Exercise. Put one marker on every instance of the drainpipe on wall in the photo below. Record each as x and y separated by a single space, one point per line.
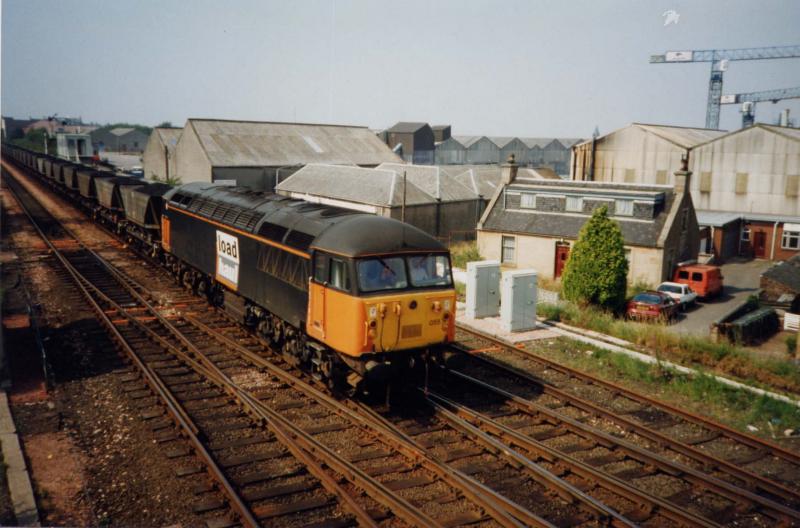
774 236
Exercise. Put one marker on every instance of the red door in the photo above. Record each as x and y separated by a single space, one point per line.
562 254
759 244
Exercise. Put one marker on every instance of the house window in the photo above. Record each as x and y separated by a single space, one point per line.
509 243
574 204
790 240
623 207
746 234
527 201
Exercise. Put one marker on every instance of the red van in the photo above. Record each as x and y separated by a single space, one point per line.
705 279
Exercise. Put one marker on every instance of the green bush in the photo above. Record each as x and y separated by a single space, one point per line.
597 271
464 252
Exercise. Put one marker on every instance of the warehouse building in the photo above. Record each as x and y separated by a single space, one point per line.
158 159
423 196
450 152
533 223
258 154
479 150
746 186
414 142
120 139
441 133
638 153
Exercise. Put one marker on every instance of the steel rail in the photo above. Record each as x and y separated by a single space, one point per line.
697 477
470 421
175 409
300 443
481 497
475 491
757 481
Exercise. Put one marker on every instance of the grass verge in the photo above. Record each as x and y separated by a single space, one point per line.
693 351
701 394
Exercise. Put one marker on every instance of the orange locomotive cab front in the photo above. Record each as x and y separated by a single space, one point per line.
382 308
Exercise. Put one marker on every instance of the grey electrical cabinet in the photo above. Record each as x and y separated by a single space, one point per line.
518 310
483 289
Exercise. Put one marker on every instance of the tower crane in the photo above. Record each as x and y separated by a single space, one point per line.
719 63
749 100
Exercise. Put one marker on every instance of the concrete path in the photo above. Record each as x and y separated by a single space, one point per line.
19 483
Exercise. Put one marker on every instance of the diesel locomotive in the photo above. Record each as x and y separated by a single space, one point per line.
350 296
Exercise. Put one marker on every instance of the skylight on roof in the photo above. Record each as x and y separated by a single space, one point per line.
313 145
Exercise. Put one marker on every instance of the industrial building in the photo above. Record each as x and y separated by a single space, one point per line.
533 223
158 159
258 154
746 187
412 141
120 139
423 196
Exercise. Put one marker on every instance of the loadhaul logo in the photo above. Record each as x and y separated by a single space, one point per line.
227 259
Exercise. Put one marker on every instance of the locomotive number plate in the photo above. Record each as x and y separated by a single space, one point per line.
227 259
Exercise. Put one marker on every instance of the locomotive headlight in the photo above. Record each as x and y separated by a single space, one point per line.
373 312
447 305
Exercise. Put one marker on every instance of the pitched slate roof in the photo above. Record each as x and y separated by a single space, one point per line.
635 231
378 187
786 273
433 181
266 144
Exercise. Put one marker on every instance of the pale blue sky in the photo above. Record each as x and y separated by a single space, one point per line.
528 68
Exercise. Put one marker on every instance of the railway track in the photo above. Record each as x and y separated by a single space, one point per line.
266 469
492 474
588 410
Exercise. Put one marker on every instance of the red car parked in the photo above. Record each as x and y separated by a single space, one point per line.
652 305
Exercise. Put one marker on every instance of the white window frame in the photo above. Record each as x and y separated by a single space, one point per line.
628 206
577 204
531 198
745 234
512 247
790 236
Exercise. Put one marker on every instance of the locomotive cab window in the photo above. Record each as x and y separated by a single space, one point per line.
429 270
321 268
378 274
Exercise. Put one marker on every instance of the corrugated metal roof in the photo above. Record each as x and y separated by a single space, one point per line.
169 136
501 141
433 181
468 141
404 127
265 144
682 136
716 218
791 133
383 188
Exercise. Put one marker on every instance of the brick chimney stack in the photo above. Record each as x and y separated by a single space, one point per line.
508 171
683 177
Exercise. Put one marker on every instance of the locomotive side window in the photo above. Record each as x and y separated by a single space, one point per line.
339 277
320 268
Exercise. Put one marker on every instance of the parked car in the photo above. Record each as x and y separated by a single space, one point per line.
706 280
652 305
682 294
